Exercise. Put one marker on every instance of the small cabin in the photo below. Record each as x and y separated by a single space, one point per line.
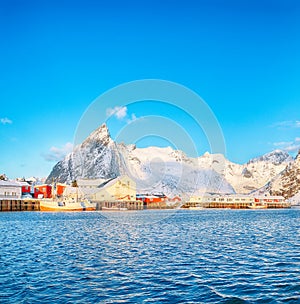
152 201
42 191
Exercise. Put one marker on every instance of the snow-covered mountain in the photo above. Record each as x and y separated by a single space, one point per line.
96 157
164 169
287 183
258 171
250 176
276 157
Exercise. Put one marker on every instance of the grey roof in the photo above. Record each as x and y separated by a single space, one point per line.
90 182
9 183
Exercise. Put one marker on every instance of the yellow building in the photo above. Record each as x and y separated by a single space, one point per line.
121 188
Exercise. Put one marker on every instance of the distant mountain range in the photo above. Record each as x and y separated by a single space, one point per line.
157 170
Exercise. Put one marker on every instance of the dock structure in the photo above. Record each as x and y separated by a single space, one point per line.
237 202
129 205
210 202
19 205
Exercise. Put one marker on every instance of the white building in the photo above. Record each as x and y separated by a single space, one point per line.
10 190
230 198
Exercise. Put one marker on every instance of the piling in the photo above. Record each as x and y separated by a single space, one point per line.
19 205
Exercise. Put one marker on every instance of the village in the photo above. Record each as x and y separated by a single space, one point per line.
117 194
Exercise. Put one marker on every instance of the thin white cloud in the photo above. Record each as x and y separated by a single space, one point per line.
287 124
119 112
56 154
292 148
289 146
5 121
282 143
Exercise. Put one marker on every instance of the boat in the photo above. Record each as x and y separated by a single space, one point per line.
56 205
257 206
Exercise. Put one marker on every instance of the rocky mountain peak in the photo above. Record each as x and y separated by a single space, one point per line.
96 157
101 134
276 157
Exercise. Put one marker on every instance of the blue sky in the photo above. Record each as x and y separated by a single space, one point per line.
56 57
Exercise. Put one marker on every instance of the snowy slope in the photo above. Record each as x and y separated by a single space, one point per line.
171 172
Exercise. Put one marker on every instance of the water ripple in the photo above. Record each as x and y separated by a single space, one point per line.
212 256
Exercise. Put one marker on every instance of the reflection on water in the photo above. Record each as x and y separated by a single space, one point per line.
205 256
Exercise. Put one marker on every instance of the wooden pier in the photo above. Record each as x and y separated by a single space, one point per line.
121 205
19 205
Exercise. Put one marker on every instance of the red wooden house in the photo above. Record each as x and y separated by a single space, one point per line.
152 201
43 190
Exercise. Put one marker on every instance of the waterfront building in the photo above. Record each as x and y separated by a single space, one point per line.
272 201
42 191
235 201
10 190
153 201
122 188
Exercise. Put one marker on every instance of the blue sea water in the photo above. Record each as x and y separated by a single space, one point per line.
201 256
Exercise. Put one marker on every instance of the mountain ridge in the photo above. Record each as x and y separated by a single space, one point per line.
166 170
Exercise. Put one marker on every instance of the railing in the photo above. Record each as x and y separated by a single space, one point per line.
9 196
